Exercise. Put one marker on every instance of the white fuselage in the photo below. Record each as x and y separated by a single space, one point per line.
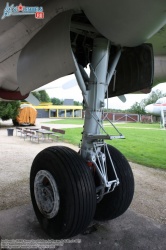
156 108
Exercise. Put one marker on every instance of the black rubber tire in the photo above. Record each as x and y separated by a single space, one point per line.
116 203
76 190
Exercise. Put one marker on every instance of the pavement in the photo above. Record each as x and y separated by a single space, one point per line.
130 231
42 121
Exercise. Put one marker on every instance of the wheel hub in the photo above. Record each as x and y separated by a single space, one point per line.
46 194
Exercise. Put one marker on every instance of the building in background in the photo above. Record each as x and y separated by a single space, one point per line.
47 110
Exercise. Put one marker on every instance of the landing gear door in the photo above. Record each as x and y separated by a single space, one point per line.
47 56
134 71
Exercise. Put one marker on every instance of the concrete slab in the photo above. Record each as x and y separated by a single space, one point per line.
128 232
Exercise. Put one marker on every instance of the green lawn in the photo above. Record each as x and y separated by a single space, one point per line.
146 147
79 121
138 125
144 144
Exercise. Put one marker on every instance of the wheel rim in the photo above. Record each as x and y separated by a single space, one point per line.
46 194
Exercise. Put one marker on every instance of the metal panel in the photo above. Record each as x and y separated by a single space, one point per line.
47 56
159 69
134 71
128 23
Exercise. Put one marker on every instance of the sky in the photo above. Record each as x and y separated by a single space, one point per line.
67 88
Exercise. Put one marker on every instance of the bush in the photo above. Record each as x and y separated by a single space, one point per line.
9 110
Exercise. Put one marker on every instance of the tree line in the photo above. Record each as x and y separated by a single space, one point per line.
42 96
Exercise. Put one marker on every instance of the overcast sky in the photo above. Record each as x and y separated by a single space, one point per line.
67 88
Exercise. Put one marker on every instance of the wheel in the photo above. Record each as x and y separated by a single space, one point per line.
116 203
62 191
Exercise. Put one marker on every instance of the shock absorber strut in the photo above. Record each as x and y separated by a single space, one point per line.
94 95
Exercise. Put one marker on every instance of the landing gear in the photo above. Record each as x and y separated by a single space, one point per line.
62 192
112 174
116 202
65 186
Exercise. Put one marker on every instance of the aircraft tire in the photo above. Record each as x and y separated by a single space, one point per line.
63 192
116 203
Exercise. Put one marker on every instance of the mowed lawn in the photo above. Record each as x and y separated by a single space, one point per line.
144 144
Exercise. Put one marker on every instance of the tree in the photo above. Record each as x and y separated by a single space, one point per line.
36 94
42 96
139 108
76 103
56 101
9 110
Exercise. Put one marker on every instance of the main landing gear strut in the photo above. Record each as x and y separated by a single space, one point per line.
69 189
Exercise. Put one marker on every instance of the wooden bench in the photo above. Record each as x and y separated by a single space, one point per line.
18 130
24 133
58 133
46 128
31 134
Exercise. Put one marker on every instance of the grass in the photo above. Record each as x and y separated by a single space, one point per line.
79 121
138 125
144 144
73 135
146 147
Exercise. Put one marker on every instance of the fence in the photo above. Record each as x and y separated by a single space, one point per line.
121 117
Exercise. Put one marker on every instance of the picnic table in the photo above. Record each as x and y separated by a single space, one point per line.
45 133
